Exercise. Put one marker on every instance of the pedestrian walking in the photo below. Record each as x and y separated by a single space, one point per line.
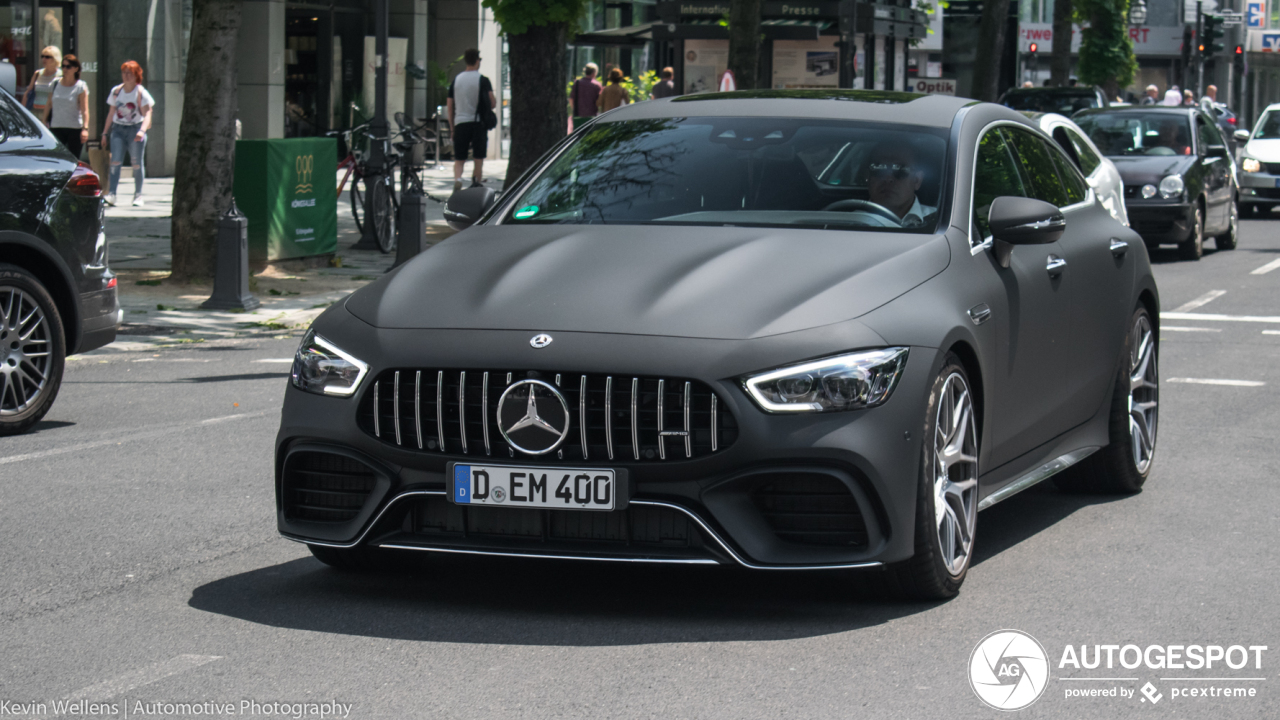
127 126
466 92
614 95
67 113
585 94
666 87
42 82
1210 98
1188 98
1152 96
1172 97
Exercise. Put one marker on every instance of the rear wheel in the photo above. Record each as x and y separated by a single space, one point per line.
1123 465
1229 239
1193 247
947 502
32 350
383 210
358 190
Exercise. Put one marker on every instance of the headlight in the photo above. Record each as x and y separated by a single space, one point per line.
322 368
1148 191
1171 187
1250 165
845 382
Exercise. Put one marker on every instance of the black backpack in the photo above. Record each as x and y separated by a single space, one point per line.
486 113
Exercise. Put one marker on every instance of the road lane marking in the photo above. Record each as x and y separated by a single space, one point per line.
1176 328
1271 332
1204 299
142 676
274 360
126 438
1214 381
1274 264
1222 318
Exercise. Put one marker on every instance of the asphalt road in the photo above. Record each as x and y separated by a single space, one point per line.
141 564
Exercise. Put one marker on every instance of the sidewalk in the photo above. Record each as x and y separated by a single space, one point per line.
158 312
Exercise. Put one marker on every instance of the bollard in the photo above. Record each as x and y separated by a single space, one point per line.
231 279
411 225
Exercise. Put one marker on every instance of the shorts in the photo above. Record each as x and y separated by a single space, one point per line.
470 136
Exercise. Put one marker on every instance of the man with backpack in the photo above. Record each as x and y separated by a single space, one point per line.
470 98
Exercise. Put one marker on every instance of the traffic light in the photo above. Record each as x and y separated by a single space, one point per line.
1211 32
1238 60
1034 47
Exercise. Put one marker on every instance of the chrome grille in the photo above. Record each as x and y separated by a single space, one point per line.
613 418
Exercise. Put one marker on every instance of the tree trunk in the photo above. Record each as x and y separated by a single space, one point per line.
1060 62
206 138
539 112
744 43
986 66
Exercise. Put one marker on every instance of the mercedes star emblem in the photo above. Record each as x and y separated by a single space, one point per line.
540 341
533 416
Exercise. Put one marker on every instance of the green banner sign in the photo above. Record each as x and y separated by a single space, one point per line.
287 190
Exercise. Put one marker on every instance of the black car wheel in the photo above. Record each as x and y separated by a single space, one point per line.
947 506
1123 465
32 350
1229 239
1193 247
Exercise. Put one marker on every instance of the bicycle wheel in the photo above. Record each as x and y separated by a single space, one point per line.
383 211
358 190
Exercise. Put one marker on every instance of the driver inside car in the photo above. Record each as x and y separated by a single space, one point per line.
893 178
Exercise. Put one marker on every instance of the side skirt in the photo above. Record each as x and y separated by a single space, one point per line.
1038 475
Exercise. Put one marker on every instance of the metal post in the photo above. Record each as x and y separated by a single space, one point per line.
411 225
379 127
1200 55
231 279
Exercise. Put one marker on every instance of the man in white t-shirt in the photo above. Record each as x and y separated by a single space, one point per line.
464 118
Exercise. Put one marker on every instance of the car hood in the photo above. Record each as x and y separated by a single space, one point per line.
701 282
1148 169
1265 150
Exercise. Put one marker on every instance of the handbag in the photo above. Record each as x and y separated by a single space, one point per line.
486 113
29 100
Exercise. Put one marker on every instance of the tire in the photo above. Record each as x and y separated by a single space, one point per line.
358 190
1193 247
350 560
938 568
1124 464
32 350
383 208
1229 239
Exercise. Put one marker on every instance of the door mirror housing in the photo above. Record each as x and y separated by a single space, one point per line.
1217 151
1241 135
1023 221
465 207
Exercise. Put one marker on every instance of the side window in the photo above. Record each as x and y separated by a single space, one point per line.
1089 161
1038 166
1204 136
1075 185
15 122
1215 134
995 174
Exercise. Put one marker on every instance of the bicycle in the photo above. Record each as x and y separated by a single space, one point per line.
382 198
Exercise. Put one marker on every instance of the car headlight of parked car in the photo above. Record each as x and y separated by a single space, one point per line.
844 382
1249 164
1171 187
323 368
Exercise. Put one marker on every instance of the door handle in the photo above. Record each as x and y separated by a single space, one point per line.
1055 266
1119 247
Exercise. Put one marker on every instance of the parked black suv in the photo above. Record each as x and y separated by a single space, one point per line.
57 295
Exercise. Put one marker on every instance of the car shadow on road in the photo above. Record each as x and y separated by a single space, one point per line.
1027 514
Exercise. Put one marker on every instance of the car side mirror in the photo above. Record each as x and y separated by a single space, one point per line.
1218 151
465 207
1242 135
1023 221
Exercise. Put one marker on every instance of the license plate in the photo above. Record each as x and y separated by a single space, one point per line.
533 487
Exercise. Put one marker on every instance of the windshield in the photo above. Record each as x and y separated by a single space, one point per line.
1051 102
743 171
1132 133
1268 127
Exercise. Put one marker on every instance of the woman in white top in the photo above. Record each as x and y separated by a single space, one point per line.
127 126
67 113
43 81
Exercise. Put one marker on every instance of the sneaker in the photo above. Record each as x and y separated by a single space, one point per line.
137 201
110 199
475 183
457 184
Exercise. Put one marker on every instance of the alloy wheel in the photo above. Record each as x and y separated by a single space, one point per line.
25 351
1144 393
955 477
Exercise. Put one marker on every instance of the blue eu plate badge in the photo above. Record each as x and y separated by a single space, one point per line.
462 483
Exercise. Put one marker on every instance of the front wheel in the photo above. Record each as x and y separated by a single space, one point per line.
382 208
358 189
947 502
32 350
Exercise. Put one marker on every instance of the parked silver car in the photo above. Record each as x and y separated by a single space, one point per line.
1100 172
1259 161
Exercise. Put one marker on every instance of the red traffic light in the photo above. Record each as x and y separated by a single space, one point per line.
1239 49
1034 47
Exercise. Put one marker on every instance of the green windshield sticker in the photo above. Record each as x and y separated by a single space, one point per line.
526 212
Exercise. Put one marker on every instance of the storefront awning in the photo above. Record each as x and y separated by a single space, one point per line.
630 36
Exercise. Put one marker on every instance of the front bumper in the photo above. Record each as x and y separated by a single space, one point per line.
692 511
1161 222
1259 189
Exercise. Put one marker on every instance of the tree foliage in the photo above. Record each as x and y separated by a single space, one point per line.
1106 50
517 16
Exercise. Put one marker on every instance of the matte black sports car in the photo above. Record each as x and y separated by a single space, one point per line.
1180 183
781 330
